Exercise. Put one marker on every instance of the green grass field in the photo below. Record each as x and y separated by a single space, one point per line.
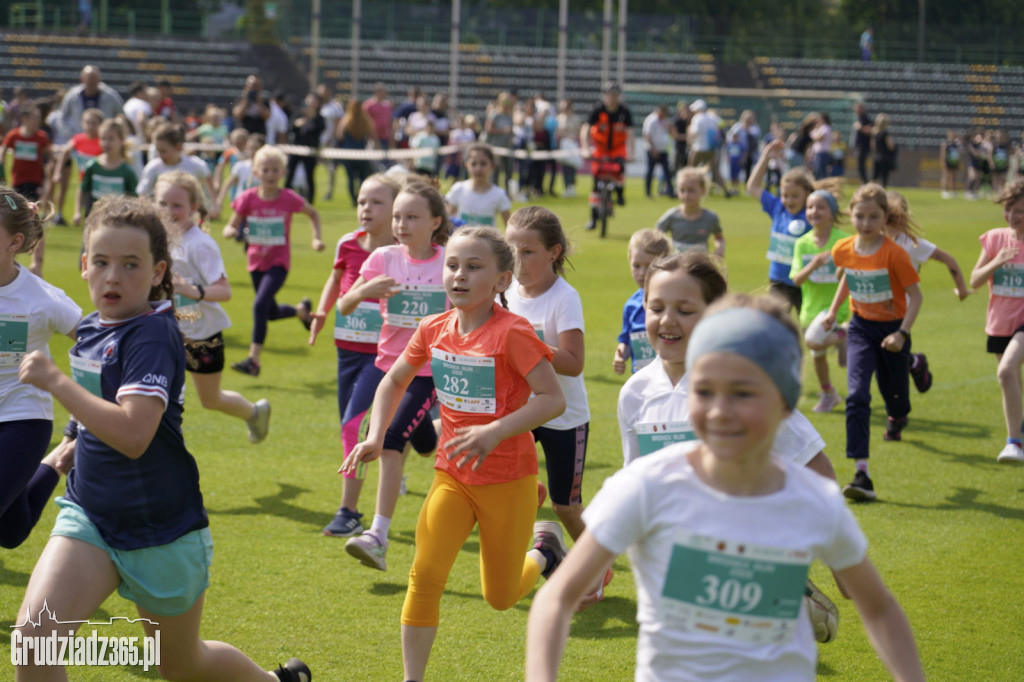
946 533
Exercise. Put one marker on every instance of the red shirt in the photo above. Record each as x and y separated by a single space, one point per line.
491 361
84 149
29 152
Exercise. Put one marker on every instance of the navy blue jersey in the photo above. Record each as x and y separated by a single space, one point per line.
155 499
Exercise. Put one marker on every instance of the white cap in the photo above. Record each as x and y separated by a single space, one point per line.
699 105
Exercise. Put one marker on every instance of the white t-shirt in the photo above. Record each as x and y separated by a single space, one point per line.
31 311
332 112
657 130
478 208
197 260
192 165
277 123
243 171
690 541
920 252
653 413
557 310
701 126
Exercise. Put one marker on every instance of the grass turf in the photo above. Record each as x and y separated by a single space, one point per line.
945 533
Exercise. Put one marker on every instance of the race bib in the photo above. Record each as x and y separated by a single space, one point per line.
539 328
732 590
186 306
25 150
86 374
641 350
13 339
780 248
952 156
826 274
103 185
464 383
362 325
413 303
869 286
1008 280
653 436
477 219
266 231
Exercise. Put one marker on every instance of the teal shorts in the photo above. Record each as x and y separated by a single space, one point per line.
165 580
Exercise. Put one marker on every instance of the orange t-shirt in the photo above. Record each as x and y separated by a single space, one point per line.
479 378
878 283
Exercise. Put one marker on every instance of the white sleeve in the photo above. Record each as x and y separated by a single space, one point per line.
503 202
208 262
797 440
200 167
922 252
849 546
626 413
615 517
145 185
569 311
454 194
66 313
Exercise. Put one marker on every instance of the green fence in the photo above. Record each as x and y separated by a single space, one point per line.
160 17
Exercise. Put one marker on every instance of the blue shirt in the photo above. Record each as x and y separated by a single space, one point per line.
787 225
155 499
632 316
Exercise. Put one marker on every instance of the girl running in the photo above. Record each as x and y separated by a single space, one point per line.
907 233
110 173
407 278
356 335
1001 264
268 211
132 518
885 296
486 362
83 148
200 283
644 247
541 295
789 220
690 224
815 273
31 311
478 201
694 518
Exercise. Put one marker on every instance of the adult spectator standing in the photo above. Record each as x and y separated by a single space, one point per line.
91 93
608 136
355 131
277 123
498 133
680 126
867 45
380 111
402 113
331 110
656 142
704 139
251 111
821 146
137 111
568 135
863 129
750 136
306 130
885 151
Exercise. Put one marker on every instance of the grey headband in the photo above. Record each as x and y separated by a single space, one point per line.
829 199
757 336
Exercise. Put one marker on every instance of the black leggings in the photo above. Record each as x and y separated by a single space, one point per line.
25 484
309 163
265 308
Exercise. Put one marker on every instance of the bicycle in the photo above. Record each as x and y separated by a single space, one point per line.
608 178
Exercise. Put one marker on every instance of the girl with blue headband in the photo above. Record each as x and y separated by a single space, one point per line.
719 534
815 273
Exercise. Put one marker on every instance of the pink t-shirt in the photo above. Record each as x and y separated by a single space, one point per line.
1006 286
349 258
380 112
270 225
422 294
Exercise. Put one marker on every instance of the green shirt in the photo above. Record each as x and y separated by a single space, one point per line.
820 288
98 181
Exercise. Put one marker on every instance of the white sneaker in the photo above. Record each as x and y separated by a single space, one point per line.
1011 454
259 423
823 614
369 549
570 192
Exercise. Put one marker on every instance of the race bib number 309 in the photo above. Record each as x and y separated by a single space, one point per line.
734 590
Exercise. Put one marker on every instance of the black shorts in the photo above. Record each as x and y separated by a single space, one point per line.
205 356
565 453
998 344
789 292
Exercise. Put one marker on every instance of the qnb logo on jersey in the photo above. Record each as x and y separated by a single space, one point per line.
797 227
158 379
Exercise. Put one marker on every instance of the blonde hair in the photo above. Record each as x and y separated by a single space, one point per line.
651 242
698 173
1012 192
188 183
269 152
896 219
238 137
504 257
389 181
803 179
904 222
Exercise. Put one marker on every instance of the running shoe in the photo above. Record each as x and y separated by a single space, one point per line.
1011 454
247 366
345 524
294 671
861 488
828 402
920 374
822 612
305 317
369 549
259 422
547 537
894 428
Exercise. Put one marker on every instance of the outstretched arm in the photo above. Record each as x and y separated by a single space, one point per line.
949 261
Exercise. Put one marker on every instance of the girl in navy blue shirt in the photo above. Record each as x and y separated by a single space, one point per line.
133 516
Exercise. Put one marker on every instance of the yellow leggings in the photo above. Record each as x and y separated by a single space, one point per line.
505 512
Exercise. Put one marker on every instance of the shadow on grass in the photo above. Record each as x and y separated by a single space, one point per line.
317 389
824 669
966 499
10 577
278 505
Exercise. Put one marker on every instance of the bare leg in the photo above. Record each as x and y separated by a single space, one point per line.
213 397
350 490
390 482
821 369
571 517
1010 383
416 645
255 349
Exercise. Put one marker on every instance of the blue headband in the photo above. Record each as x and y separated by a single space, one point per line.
829 199
757 336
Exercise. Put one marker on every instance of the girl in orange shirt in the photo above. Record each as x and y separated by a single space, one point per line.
486 361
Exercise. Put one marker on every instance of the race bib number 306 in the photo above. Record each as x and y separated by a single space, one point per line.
734 590
464 383
361 326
